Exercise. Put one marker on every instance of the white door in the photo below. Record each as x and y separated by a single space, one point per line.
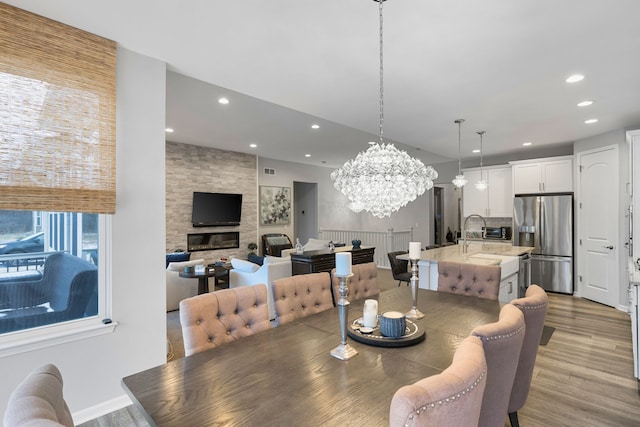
598 225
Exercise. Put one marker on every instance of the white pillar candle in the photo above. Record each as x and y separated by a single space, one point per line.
343 263
414 250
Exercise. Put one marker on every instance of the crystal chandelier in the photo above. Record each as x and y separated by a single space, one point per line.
459 180
382 179
482 184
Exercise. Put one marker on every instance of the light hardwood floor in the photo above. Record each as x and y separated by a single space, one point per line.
583 376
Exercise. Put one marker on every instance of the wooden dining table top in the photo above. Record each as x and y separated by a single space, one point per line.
286 376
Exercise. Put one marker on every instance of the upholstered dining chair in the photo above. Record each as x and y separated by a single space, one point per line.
399 267
223 316
38 400
451 398
502 342
301 295
534 308
363 283
482 281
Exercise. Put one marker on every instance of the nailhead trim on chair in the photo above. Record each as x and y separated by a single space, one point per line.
502 336
446 400
531 307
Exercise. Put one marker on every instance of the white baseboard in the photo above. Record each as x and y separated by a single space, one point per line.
101 409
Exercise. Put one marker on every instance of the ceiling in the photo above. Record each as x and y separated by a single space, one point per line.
284 65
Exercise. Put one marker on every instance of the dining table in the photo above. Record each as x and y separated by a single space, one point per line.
287 376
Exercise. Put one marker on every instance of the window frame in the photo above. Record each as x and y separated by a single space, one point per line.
45 336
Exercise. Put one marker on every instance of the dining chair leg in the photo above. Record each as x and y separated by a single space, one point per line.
513 419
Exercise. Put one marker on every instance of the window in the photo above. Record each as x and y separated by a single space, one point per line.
57 178
48 268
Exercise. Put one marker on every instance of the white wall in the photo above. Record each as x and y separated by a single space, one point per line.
333 212
93 367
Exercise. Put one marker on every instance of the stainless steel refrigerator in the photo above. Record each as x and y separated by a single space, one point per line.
545 222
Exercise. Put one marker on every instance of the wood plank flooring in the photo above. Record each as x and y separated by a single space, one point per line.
583 376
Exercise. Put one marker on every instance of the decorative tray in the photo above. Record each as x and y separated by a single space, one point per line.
413 335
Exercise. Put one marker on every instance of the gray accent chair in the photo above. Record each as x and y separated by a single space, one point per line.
534 308
399 267
451 398
69 285
38 400
223 316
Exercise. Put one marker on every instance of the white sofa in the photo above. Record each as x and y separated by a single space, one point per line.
179 288
245 273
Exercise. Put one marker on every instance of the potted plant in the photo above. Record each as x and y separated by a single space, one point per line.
252 247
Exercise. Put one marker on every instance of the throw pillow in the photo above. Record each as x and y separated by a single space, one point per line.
316 244
179 266
244 265
256 259
178 257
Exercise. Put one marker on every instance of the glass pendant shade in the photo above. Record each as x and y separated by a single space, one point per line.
459 180
481 185
382 179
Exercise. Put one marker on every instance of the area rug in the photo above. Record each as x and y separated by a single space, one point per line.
547 331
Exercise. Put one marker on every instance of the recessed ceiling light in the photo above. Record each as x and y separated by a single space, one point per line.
476 151
315 126
307 155
253 145
526 144
371 143
169 130
584 103
591 121
574 78
224 101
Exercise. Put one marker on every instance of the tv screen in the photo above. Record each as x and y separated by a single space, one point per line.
216 209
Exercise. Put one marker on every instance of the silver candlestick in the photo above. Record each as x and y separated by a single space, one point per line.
344 351
414 313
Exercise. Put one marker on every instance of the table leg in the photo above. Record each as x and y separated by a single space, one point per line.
203 285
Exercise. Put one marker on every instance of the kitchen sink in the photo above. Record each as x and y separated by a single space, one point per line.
509 264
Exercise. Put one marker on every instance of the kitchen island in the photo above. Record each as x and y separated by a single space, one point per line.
479 253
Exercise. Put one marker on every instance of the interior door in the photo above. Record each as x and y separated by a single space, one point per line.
598 221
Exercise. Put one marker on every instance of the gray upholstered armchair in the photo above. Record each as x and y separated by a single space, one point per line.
67 291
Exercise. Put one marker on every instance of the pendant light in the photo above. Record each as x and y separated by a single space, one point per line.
459 180
482 184
382 179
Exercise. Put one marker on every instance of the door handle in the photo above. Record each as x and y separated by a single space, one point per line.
610 247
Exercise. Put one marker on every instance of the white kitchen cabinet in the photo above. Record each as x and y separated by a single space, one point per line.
549 175
508 289
496 200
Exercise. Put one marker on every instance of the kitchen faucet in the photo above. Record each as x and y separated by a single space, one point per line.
465 245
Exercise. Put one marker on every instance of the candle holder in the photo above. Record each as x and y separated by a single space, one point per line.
344 351
414 313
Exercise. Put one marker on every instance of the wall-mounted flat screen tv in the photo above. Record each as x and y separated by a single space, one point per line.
216 209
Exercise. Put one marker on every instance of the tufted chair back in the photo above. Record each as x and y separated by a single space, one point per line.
219 317
534 308
451 398
301 295
363 283
502 342
482 281
38 400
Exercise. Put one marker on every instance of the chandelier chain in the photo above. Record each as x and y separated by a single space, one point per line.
481 133
381 75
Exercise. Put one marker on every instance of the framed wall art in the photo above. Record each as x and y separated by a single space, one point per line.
275 205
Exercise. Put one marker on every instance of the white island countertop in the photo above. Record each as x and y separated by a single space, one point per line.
455 253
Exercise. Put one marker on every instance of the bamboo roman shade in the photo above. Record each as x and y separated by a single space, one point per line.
57 116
